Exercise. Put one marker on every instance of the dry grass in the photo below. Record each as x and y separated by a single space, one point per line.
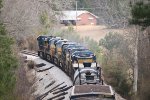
94 32
32 42
27 42
23 88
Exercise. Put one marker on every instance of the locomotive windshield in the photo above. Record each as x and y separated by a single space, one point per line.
77 49
86 53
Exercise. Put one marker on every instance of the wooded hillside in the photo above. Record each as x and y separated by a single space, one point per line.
113 13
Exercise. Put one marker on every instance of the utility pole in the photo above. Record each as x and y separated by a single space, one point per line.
76 13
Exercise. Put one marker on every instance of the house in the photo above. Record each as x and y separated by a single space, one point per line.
80 17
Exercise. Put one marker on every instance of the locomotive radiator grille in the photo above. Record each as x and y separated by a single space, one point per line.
98 89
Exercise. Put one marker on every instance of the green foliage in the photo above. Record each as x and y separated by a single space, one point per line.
94 47
1 4
111 41
44 18
46 22
141 14
2 29
83 5
8 63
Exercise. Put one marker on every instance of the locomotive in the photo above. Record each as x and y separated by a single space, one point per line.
67 55
77 61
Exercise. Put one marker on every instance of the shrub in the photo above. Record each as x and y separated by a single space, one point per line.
31 64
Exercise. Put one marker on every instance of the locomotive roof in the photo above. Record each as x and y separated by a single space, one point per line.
55 38
62 40
91 89
69 42
83 51
74 46
44 37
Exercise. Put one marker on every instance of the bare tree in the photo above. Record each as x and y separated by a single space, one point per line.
21 17
114 13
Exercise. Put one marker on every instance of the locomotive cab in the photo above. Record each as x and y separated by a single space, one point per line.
83 59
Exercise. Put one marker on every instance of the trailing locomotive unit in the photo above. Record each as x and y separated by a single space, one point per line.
63 54
58 52
43 45
70 60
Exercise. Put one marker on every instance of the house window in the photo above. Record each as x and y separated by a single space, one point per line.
92 23
90 18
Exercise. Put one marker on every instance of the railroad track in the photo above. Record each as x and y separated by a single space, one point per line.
58 90
29 53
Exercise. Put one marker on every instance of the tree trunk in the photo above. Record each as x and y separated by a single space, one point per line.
136 63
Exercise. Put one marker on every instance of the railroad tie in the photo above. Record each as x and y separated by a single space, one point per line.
45 69
46 93
40 65
60 94
50 84
60 98
56 87
62 90
41 79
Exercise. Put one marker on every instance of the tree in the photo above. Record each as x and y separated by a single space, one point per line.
140 14
8 63
116 63
141 17
112 13
22 17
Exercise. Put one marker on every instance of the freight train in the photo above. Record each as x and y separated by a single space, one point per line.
79 63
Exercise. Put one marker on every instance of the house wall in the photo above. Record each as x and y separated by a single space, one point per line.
86 19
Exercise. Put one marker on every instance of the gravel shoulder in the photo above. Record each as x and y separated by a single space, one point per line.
47 77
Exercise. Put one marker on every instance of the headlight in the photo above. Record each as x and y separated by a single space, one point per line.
75 61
